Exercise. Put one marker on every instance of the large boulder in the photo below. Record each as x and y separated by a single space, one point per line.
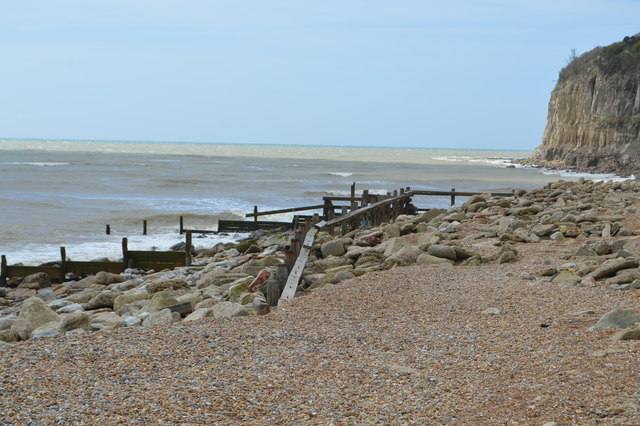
162 317
75 320
332 248
443 251
610 267
618 318
427 259
403 257
369 258
217 278
83 296
229 310
254 266
199 314
33 314
106 321
101 300
129 297
159 302
99 279
239 287
171 284
36 281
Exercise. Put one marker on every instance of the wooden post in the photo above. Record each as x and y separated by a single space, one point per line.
330 216
395 192
295 246
401 191
108 230
255 213
125 254
144 227
290 257
453 196
343 224
181 225
365 198
63 263
353 196
187 250
316 218
307 223
3 271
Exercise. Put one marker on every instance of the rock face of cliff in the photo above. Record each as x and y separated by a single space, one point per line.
593 122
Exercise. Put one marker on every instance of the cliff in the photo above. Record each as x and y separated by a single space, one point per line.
593 122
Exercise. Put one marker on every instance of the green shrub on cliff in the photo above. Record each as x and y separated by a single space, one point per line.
618 58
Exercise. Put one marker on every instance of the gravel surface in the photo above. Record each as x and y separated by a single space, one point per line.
406 346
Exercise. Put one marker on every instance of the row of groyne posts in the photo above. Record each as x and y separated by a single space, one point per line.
367 210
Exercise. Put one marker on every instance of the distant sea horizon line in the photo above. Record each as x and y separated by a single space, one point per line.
261 144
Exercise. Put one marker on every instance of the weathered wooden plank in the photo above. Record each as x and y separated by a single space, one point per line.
159 256
241 225
290 210
362 210
291 286
93 267
24 271
182 308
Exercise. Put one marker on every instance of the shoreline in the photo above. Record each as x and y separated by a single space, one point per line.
489 338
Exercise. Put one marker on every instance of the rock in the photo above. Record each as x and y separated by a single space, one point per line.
70 308
199 314
462 253
171 284
342 276
450 228
566 279
390 231
330 263
3 291
159 302
403 257
218 278
131 321
543 230
7 322
162 317
101 300
618 318
129 297
557 236
101 278
83 296
106 321
623 287
21 293
46 294
507 256
585 250
36 281
601 247
229 310
547 272
427 259
628 334
612 266
239 287
75 320
491 311
443 251
393 245
33 314
207 303
368 259
49 329
334 248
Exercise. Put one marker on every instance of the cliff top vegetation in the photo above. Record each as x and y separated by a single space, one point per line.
622 57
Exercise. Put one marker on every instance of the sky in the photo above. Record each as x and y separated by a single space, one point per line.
457 74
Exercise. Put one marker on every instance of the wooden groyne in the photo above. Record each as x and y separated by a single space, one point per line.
339 214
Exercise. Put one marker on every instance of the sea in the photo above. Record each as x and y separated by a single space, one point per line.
56 193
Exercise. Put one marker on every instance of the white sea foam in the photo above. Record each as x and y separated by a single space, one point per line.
36 163
110 246
341 174
596 177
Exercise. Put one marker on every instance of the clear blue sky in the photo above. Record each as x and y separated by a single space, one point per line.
458 73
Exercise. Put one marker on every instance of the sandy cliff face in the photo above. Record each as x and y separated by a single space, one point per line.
593 122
